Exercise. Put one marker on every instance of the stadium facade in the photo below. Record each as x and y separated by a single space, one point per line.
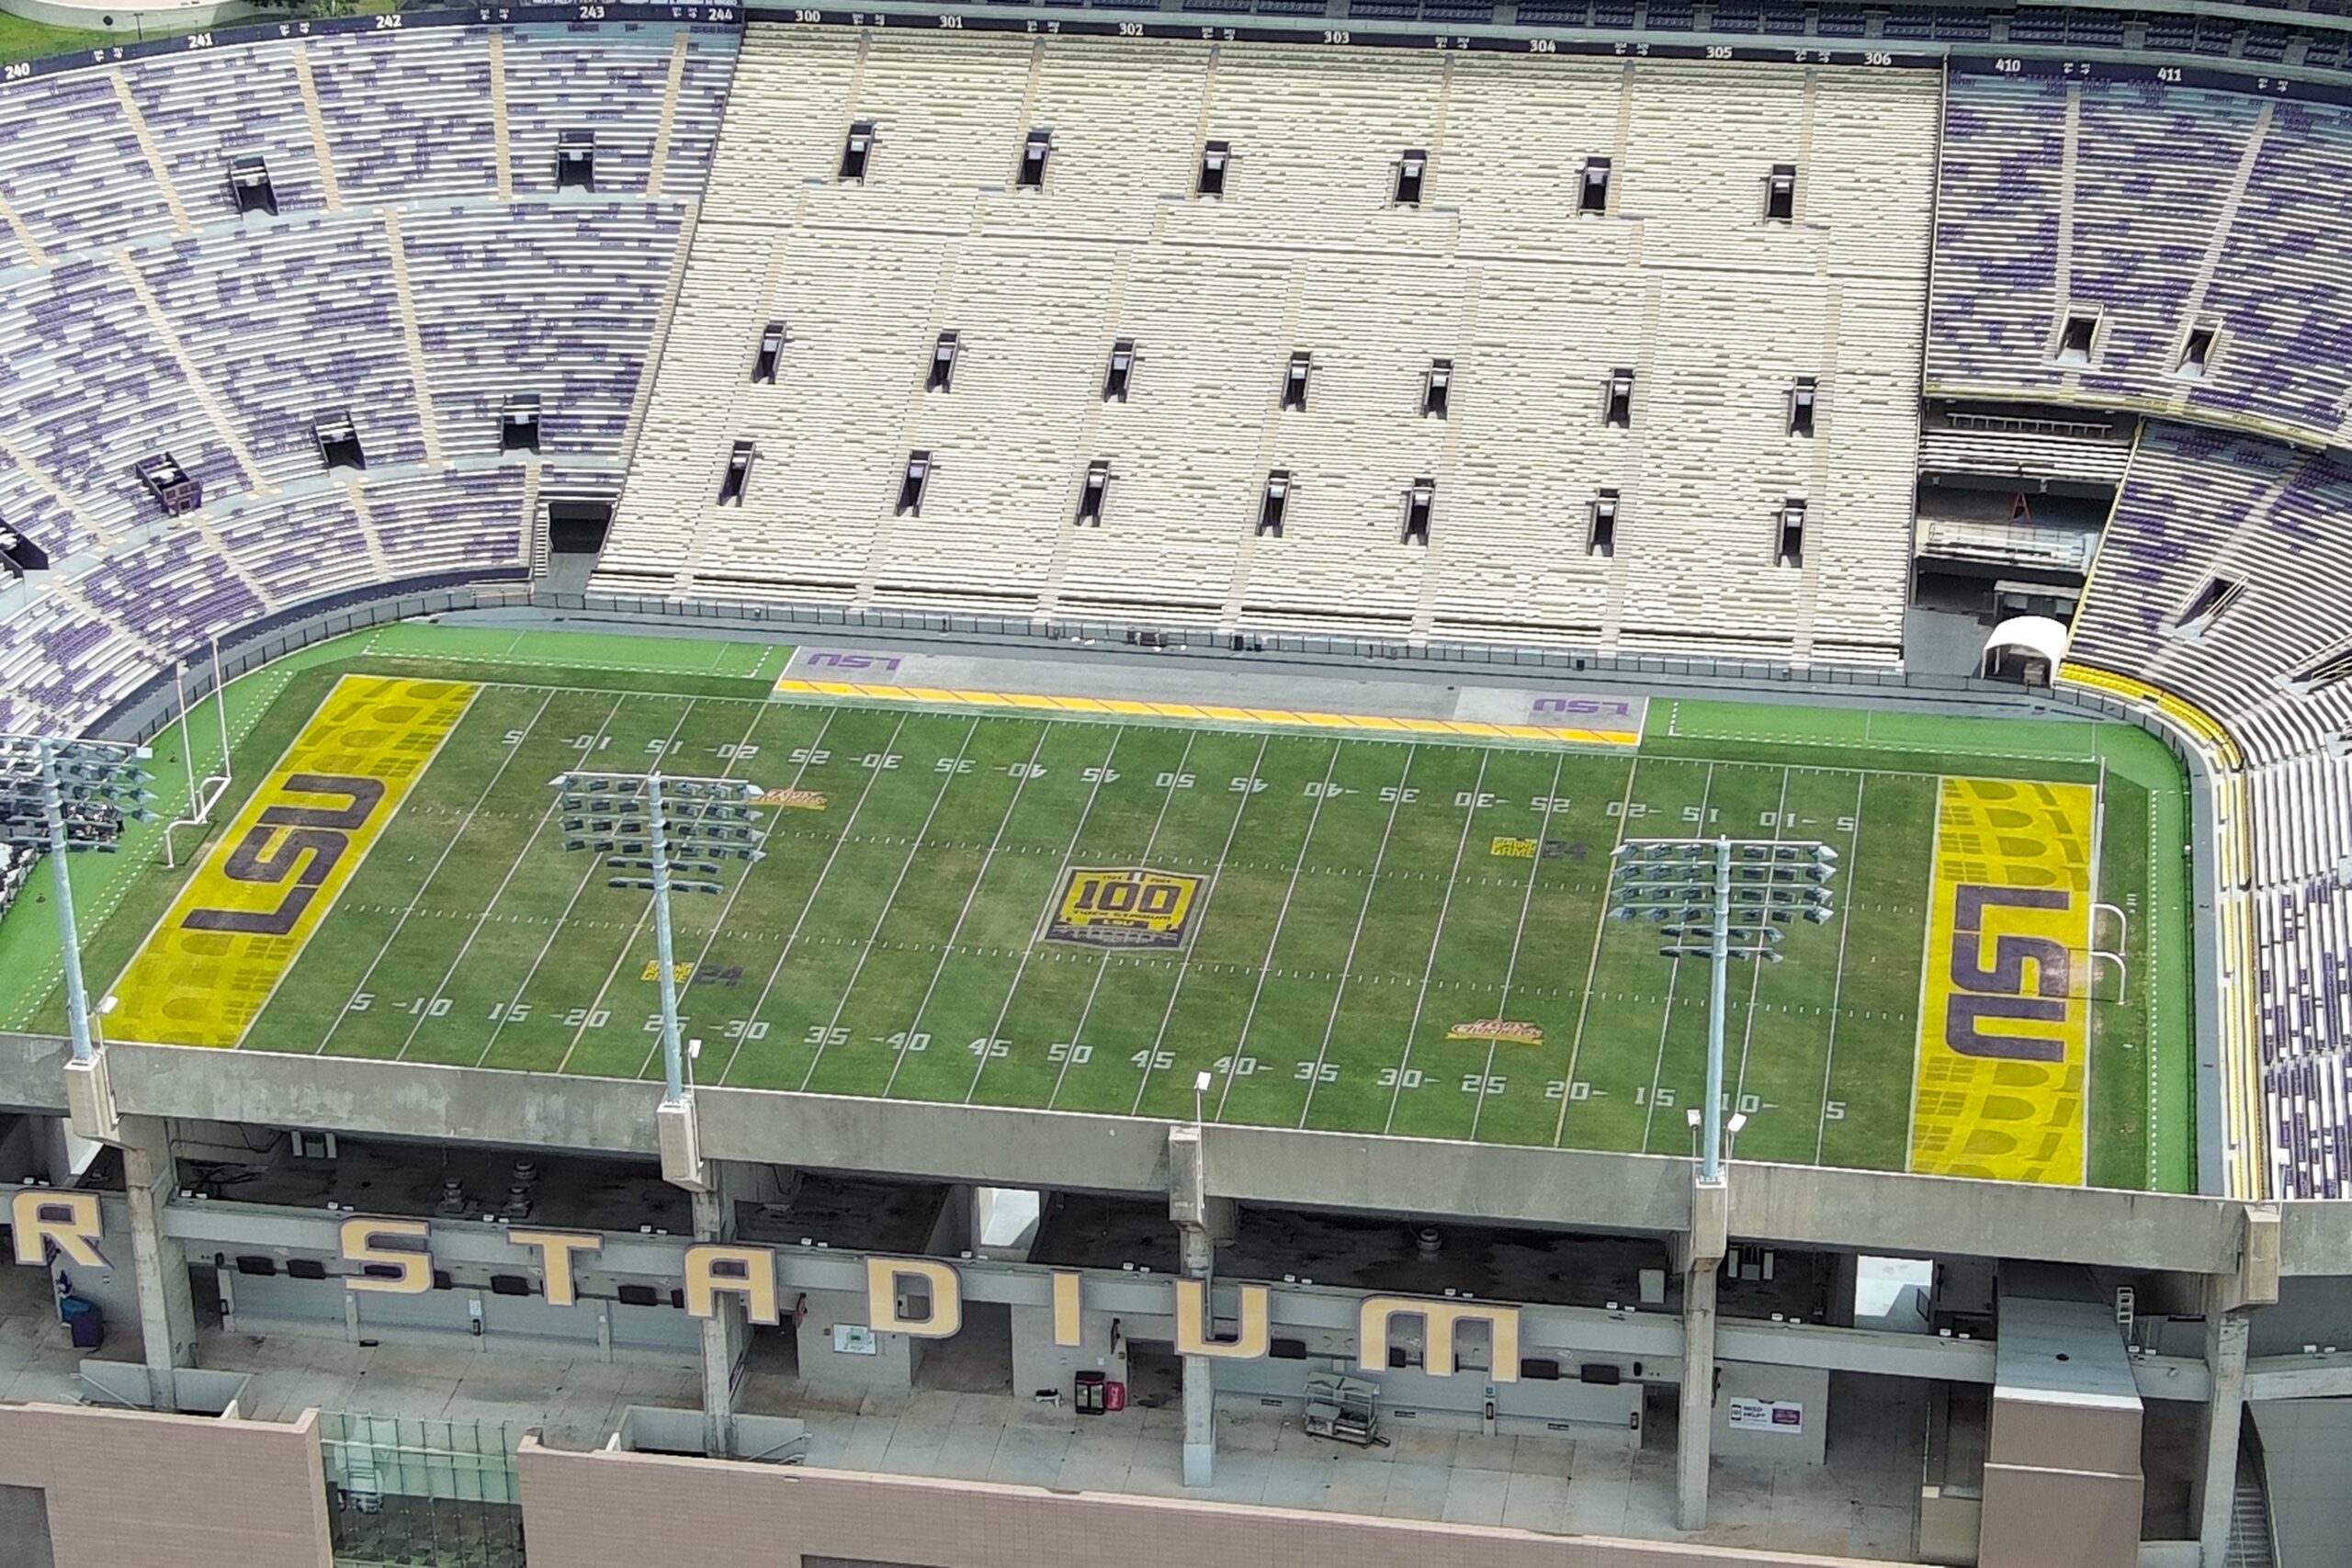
1196 535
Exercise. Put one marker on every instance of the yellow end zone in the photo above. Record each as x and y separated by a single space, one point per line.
211 965
2005 1019
1104 707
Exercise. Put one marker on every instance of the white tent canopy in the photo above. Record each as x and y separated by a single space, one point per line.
2037 636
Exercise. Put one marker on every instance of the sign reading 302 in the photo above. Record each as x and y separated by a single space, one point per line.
1122 907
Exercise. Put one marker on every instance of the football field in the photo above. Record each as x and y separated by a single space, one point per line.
1348 930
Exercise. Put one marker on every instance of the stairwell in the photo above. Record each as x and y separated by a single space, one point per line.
500 144
153 154
319 147
669 118
412 336
168 338
2249 1515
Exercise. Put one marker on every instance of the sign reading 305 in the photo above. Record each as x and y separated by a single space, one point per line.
1122 907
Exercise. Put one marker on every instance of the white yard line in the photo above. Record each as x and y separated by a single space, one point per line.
1838 984
971 895
849 829
1758 964
735 889
1208 898
555 932
1428 966
1348 964
987 1042
1265 964
1673 976
865 948
426 886
1592 964
1078 1031
1518 935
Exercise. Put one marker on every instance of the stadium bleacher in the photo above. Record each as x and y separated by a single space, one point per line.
421 265
1685 281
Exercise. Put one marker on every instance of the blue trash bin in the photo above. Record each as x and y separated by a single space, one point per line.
83 1321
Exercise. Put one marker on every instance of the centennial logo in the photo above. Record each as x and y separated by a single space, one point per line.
1503 1031
1122 906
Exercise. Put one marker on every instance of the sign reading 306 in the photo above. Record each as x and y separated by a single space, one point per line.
1122 907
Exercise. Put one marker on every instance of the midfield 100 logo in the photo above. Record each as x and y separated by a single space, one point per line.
1122 906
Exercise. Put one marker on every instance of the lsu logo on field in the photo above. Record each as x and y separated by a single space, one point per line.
2005 1033
1122 907
208 967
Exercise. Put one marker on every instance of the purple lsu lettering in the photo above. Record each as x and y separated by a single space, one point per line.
296 844
854 662
1998 991
1582 704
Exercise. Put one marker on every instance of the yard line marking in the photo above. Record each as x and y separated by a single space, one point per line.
1838 985
1519 934
1927 970
1429 969
817 887
1281 916
971 895
735 889
865 949
1208 897
987 1042
1348 964
1757 965
644 916
1077 1031
1673 975
1593 965
422 887
480 920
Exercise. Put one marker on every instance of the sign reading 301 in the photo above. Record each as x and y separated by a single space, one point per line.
1122 906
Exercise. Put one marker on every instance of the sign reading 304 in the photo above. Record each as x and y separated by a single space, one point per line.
1122 907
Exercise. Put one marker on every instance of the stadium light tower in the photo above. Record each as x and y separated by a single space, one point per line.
661 825
1720 900
60 796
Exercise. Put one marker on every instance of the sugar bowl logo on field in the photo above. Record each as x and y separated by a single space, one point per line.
1502 1030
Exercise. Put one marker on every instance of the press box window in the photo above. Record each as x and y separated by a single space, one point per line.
2077 336
1217 160
738 476
1802 398
1121 372
1274 503
912 484
2196 352
1790 551
1091 499
1411 169
1034 153
1617 409
1600 539
1781 194
771 354
942 376
856 149
1294 381
1592 192
1437 388
1419 501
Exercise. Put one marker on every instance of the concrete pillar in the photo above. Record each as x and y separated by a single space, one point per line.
725 1334
2214 1487
1200 1373
159 1263
1695 1433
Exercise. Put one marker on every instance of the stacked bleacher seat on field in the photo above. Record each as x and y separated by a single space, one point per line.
420 268
1685 281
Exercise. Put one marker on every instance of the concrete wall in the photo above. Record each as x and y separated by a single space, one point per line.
1807 1388
129 1489
623 1510
2307 1463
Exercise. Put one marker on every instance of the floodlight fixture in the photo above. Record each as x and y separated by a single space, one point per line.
661 825
59 796
1719 900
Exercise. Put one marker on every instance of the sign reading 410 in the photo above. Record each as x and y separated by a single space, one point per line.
1122 906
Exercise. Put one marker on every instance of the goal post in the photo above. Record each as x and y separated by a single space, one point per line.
204 793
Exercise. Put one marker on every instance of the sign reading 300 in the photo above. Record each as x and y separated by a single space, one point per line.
211 965
1122 907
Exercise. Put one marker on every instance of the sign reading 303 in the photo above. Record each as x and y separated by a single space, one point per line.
1122 907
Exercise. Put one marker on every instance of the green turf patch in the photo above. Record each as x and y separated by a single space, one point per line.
1379 934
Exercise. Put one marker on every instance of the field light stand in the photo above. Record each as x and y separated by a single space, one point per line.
658 824
61 796
1720 899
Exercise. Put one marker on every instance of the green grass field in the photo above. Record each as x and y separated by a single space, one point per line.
1350 911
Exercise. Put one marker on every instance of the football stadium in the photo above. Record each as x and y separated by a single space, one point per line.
1417 779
